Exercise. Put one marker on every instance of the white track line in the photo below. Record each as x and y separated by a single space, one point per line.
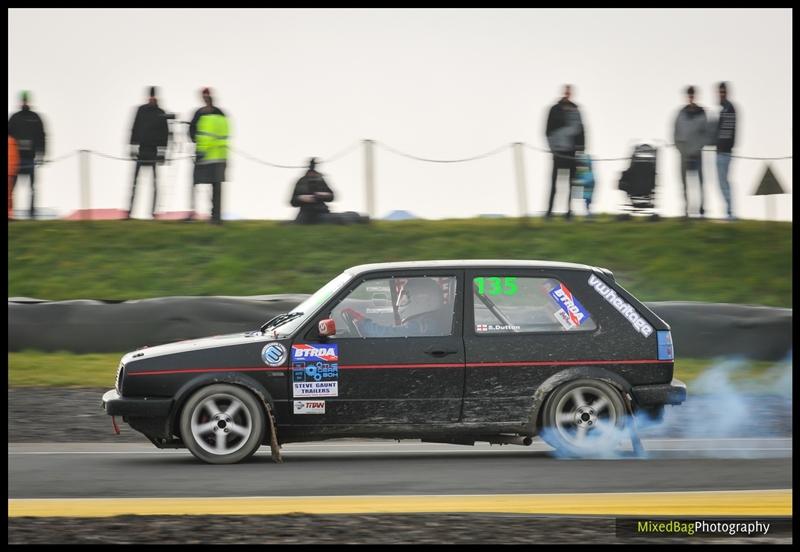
655 445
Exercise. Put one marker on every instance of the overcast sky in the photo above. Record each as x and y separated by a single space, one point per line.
434 83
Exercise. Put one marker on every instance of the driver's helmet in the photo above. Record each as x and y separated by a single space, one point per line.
422 295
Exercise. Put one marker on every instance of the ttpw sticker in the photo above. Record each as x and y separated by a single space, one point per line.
571 313
309 407
315 370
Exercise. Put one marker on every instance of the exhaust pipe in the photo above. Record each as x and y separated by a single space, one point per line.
523 440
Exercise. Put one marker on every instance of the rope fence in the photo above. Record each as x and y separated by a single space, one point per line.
368 147
352 147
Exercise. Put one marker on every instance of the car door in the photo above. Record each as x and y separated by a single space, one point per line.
398 371
520 327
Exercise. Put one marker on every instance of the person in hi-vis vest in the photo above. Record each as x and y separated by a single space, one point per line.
13 167
209 131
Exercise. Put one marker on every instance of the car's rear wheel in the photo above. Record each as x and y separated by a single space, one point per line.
584 418
222 424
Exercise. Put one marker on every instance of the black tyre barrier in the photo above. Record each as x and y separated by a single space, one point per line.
699 330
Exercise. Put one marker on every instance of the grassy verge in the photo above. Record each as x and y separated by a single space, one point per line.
36 369
740 262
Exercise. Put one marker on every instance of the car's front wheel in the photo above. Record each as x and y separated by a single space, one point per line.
584 418
222 424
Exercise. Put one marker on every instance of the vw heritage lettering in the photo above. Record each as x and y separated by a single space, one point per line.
626 310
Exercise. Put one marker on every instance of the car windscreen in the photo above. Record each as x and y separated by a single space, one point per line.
313 303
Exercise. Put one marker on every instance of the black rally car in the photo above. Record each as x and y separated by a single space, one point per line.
445 351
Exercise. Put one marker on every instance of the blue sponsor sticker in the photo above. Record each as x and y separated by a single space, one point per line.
576 314
315 362
273 354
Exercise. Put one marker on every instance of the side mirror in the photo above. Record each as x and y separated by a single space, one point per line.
326 327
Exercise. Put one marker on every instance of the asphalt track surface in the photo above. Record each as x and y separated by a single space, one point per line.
369 467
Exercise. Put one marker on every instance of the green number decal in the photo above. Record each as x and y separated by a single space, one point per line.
511 286
506 286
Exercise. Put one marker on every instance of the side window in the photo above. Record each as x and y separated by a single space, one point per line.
398 307
509 304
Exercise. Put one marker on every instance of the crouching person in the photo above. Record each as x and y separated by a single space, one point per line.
311 194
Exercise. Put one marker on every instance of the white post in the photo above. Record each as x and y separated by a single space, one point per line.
369 176
83 167
519 169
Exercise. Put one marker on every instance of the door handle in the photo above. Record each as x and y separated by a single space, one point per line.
440 352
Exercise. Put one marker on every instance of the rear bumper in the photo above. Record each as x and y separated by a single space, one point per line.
660 394
140 407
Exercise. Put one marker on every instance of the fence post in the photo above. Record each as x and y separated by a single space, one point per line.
519 169
83 168
369 176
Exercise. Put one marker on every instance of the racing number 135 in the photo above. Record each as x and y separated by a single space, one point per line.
494 285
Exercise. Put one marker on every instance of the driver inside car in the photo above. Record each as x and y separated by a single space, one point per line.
424 314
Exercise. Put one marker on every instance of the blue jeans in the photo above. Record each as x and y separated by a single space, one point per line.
723 164
692 163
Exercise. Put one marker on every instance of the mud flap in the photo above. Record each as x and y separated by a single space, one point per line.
636 442
114 425
273 431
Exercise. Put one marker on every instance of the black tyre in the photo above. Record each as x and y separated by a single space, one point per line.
584 418
222 424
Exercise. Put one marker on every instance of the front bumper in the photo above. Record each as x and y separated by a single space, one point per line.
140 407
660 394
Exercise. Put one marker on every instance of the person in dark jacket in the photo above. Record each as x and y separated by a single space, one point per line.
565 136
149 138
27 129
311 193
724 140
691 134
210 174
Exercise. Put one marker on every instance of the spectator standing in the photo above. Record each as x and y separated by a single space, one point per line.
209 131
724 140
149 138
565 136
13 166
27 129
691 129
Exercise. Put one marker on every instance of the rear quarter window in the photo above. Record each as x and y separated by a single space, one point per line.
511 304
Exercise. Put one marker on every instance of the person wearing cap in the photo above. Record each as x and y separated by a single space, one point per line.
209 131
149 138
691 134
27 129
311 193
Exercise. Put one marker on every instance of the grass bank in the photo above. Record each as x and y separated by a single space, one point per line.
739 262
